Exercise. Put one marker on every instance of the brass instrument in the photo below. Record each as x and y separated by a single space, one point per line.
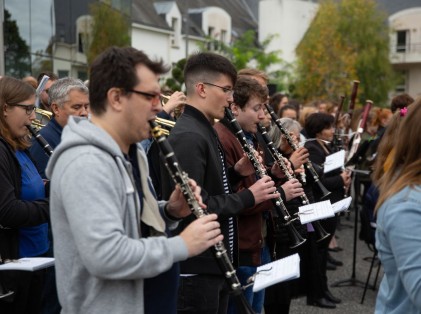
42 117
164 99
166 125
177 110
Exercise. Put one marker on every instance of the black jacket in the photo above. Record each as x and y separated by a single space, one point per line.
15 213
331 180
195 144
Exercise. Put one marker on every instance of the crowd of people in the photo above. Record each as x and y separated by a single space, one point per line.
121 230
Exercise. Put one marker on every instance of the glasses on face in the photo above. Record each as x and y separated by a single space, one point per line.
151 97
226 90
28 108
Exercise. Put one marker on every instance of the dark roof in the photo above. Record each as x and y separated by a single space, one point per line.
242 15
393 6
143 12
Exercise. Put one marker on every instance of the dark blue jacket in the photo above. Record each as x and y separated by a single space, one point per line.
52 134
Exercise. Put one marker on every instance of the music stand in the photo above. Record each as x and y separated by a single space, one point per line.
353 281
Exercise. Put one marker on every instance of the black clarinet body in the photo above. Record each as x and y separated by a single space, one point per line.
44 144
279 159
280 208
219 251
308 165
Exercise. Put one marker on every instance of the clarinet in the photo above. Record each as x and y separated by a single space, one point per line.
308 165
279 159
280 208
219 251
44 144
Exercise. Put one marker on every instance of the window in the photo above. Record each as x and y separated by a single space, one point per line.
175 25
82 75
401 41
223 35
63 73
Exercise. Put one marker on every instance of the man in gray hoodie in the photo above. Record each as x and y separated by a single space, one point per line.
109 230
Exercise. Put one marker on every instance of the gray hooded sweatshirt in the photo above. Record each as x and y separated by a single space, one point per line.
101 257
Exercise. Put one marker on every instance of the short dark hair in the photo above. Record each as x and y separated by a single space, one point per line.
317 122
247 87
51 75
400 101
207 66
116 67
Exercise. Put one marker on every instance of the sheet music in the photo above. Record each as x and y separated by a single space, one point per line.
28 264
334 161
284 269
315 211
342 205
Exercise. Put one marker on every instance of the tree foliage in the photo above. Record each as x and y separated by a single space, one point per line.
175 82
110 28
246 51
347 40
17 56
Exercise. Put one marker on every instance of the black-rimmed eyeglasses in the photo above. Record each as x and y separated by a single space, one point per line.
149 96
227 90
28 108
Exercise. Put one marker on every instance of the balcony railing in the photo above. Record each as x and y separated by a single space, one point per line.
409 53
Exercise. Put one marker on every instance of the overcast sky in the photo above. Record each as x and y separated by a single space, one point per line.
34 21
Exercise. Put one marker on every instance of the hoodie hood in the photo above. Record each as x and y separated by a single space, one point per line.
80 131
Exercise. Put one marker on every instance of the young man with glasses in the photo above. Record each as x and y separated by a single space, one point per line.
109 230
209 80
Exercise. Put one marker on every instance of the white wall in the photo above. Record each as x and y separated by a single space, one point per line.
410 60
289 20
155 43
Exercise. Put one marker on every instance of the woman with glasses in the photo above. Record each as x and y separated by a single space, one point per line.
23 207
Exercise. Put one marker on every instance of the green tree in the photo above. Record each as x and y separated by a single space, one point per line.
110 27
347 40
17 56
246 51
175 82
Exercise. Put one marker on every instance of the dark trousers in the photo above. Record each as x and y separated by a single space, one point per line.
205 294
28 290
329 225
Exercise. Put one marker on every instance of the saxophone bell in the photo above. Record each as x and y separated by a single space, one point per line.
42 117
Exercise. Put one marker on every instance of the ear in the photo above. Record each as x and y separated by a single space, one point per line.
200 89
115 97
55 109
235 109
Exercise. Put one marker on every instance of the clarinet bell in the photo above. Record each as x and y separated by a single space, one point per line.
295 238
320 231
322 189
